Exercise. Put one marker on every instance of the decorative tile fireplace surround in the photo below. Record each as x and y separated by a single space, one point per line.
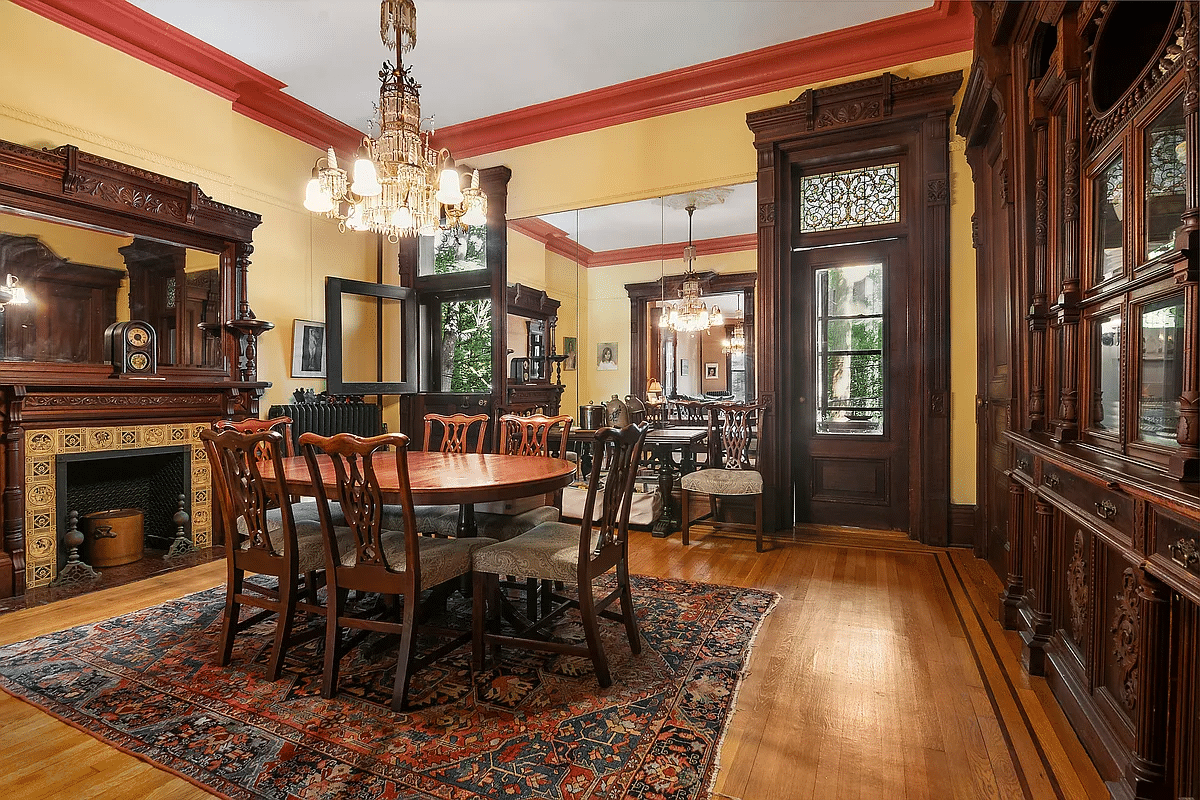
44 528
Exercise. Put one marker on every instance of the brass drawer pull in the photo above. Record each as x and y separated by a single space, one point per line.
1051 479
1106 509
1185 553
1023 464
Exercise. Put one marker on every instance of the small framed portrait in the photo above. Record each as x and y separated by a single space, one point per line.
308 349
710 372
571 351
683 367
606 355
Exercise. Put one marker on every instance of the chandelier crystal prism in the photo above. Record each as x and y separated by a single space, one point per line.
400 184
689 313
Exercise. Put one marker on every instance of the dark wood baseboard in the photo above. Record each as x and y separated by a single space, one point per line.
964 529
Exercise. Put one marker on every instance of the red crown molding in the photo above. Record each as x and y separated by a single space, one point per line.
947 27
255 94
944 28
559 242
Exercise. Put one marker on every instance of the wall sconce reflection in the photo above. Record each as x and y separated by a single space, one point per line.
12 292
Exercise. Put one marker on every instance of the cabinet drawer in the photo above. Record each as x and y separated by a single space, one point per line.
1096 501
1023 462
1178 541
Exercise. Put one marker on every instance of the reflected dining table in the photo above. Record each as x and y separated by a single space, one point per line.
445 479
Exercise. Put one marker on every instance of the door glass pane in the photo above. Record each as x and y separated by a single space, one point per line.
849 350
852 198
1110 210
453 250
466 356
1166 156
1162 370
1106 405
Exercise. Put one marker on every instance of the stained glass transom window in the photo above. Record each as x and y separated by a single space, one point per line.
851 198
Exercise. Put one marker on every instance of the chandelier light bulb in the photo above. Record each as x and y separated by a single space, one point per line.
474 216
355 221
366 181
316 199
716 318
449 190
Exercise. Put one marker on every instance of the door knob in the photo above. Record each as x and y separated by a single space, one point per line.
800 400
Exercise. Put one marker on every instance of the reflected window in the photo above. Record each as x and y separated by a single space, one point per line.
466 345
1106 402
849 347
1166 163
851 198
1110 211
1162 370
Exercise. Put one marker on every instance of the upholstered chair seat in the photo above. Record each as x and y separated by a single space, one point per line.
549 551
441 559
723 482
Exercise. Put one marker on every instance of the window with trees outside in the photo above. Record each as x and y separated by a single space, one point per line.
849 348
461 314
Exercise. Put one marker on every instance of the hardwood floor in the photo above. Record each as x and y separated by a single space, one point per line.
881 674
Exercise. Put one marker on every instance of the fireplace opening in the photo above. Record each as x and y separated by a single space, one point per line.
150 479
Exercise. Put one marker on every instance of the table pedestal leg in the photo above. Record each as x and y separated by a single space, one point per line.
466 521
669 520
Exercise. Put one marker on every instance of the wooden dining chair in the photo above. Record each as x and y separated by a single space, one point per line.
374 559
452 433
733 434
525 435
264 537
579 554
283 424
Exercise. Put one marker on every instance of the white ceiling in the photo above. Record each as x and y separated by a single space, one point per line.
475 58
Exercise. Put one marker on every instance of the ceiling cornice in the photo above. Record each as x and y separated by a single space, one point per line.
945 28
559 242
940 30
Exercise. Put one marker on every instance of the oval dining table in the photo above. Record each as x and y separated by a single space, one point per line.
445 479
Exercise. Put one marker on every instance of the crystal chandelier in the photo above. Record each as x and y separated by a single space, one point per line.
401 184
689 313
736 343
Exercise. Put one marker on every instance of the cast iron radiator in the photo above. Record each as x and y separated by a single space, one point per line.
326 419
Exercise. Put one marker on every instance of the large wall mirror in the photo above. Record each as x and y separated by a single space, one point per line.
617 268
77 281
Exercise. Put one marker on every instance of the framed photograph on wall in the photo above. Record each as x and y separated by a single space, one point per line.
606 355
683 367
710 371
308 349
571 351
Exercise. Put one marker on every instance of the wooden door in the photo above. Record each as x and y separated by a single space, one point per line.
993 401
852 387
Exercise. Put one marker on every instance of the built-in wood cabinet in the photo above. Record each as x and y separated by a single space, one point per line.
1081 121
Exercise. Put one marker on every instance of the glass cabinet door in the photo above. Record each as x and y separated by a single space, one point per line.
1166 164
1110 213
1161 370
1106 399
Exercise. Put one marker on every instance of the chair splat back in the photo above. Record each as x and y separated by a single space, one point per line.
530 435
254 425
243 492
458 431
358 491
733 431
619 451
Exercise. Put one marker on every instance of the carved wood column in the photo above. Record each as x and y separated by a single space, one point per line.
1036 609
776 474
1146 771
1066 309
13 438
1186 462
1014 588
1037 317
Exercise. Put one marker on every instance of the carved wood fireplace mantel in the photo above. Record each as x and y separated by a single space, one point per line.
180 259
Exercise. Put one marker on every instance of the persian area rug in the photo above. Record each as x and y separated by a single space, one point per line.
536 726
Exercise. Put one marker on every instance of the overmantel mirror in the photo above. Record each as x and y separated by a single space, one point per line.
92 242
627 263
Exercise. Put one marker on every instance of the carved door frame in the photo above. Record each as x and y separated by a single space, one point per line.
913 114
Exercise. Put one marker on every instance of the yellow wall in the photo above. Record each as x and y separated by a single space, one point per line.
712 146
60 87
57 87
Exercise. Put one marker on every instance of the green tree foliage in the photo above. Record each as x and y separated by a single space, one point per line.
467 324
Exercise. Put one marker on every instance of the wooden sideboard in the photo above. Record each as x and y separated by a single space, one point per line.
1082 123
